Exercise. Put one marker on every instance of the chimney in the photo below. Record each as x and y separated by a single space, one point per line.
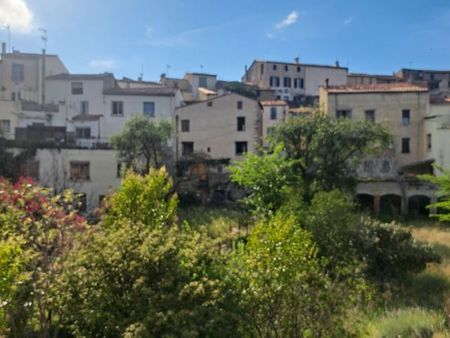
297 60
327 83
3 47
337 63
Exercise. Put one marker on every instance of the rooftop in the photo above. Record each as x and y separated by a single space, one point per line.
265 103
202 74
86 117
66 76
149 91
300 64
397 87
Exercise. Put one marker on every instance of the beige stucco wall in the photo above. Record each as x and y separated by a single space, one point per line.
31 87
438 125
388 109
313 76
54 170
9 111
216 127
268 123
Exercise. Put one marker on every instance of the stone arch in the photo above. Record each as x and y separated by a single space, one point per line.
390 205
417 205
365 201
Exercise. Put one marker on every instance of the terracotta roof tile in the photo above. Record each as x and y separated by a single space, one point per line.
398 87
273 103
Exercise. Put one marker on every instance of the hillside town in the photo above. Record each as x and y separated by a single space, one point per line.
71 118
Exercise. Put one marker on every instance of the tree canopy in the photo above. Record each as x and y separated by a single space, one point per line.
143 143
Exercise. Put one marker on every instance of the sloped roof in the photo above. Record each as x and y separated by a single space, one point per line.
149 91
397 87
66 76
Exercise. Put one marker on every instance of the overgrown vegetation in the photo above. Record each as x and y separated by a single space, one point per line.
297 260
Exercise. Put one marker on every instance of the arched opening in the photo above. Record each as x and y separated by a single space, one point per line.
417 205
365 202
390 205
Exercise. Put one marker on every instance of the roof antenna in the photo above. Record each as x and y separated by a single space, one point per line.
141 75
8 28
44 37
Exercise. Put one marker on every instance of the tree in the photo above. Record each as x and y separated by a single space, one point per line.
11 162
443 183
269 179
36 232
145 199
284 291
328 150
143 143
143 276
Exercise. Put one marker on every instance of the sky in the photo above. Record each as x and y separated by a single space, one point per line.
128 37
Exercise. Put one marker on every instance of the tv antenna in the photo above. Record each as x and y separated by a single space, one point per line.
8 28
44 37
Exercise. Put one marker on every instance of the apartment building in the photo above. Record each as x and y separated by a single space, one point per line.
291 81
275 113
354 79
22 75
388 180
223 127
438 81
437 132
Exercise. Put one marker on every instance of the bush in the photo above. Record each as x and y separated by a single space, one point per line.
411 323
283 289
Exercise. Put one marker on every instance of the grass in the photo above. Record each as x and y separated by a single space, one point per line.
217 222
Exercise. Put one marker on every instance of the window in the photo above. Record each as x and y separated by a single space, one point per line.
298 69
274 81
239 105
273 113
386 167
210 104
241 148
287 82
185 126
13 96
274 67
149 109
77 88
5 127
429 141
117 108
241 123
286 68
346 114
30 169
119 169
83 132
187 148
17 73
262 68
203 81
79 170
208 149
84 107
370 115
298 83
405 145
405 117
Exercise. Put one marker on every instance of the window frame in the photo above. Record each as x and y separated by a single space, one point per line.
406 120
406 145
240 123
114 107
185 126
148 104
243 145
184 144
77 175
76 88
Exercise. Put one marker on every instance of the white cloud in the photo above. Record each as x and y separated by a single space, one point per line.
103 64
287 21
348 20
183 39
16 15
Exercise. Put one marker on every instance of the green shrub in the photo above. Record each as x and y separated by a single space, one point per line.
408 323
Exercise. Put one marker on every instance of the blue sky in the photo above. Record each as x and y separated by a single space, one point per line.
121 36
